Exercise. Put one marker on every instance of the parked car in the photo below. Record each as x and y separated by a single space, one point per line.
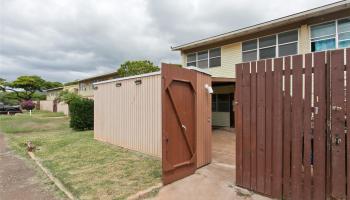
4 109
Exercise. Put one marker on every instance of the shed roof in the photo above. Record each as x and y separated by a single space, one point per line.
100 76
129 77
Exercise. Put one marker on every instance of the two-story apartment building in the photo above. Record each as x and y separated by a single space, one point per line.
86 88
323 28
53 93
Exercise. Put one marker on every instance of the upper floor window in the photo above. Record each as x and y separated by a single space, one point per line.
205 59
330 35
281 44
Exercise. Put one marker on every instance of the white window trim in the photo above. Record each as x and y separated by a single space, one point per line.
276 45
208 58
336 35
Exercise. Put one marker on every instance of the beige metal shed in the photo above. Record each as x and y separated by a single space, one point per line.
128 113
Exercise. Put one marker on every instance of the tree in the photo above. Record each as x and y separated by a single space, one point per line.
2 84
131 68
25 87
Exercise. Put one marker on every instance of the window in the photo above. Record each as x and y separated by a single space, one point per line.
202 59
215 57
205 59
282 44
249 50
344 33
323 37
267 47
221 102
330 35
288 43
191 60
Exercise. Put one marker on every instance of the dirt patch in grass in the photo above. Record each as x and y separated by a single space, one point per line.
88 168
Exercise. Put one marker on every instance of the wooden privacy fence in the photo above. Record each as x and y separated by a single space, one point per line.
291 126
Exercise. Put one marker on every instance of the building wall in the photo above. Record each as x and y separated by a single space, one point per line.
52 95
71 88
221 119
304 39
231 54
86 89
86 86
130 116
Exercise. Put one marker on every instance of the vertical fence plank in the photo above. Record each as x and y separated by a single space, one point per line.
338 180
297 128
277 137
286 129
348 120
238 124
253 125
320 121
246 125
307 128
269 125
261 126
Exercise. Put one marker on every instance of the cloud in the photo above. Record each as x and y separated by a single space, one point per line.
66 40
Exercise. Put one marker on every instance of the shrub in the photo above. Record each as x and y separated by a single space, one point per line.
27 104
82 114
66 96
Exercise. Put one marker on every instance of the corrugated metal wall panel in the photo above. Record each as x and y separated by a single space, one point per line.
204 132
46 105
130 115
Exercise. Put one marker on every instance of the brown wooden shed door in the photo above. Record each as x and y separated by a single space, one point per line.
178 122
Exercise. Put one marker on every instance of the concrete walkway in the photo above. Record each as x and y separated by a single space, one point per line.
17 180
214 181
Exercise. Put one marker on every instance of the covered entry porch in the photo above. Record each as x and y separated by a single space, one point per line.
223 102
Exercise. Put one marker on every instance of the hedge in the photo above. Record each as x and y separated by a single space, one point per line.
82 114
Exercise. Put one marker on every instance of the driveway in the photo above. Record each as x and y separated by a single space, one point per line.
214 181
17 180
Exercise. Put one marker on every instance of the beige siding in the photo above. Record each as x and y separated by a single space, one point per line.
52 95
304 40
71 88
46 105
183 59
204 132
88 93
221 119
63 107
130 115
230 56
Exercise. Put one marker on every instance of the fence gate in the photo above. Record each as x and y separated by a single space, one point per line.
178 122
291 126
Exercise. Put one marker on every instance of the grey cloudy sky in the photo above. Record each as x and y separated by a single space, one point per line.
64 40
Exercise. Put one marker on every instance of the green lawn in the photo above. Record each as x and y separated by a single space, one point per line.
88 168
